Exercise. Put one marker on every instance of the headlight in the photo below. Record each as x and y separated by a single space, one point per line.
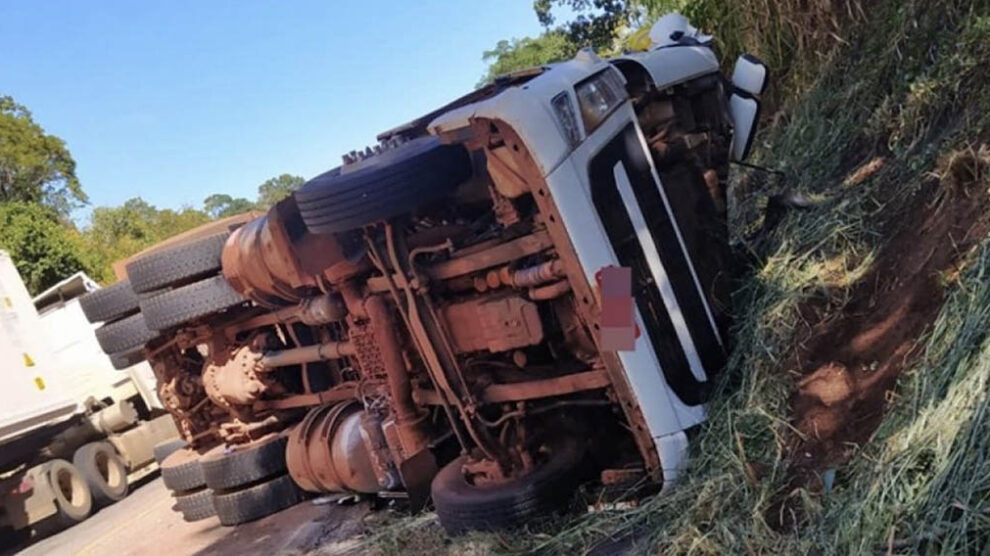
598 96
564 108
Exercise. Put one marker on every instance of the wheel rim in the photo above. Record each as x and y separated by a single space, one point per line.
70 487
109 469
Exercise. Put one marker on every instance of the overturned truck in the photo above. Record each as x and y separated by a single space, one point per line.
520 292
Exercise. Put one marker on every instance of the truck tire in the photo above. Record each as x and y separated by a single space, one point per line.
189 302
72 495
182 472
195 506
228 468
125 334
254 502
125 359
104 472
388 184
177 264
109 303
462 506
163 450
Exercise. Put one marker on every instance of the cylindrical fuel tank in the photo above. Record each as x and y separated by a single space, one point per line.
326 452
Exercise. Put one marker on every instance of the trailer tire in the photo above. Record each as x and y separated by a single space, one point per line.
125 334
257 501
104 472
109 303
163 450
195 506
72 495
125 359
177 264
225 470
189 302
394 182
182 471
464 507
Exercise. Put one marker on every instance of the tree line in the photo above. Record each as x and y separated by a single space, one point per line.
39 190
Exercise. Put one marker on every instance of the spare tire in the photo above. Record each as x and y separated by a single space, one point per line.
109 303
388 184
177 264
125 334
462 506
189 302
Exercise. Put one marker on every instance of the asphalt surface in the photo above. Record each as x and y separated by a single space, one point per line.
144 523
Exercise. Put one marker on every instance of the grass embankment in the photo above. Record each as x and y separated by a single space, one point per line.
885 114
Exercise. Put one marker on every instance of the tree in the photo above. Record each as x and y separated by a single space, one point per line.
518 54
276 189
35 167
221 205
43 249
596 22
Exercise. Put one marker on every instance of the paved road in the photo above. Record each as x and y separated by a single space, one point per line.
144 523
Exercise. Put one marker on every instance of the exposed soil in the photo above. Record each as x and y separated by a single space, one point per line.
847 360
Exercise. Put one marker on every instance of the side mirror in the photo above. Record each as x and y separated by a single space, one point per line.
750 75
745 115
749 80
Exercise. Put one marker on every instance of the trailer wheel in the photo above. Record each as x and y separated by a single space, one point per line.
177 264
195 506
109 303
125 334
72 495
104 472
257 501
182 472
189 302
385 185
227 468
462 506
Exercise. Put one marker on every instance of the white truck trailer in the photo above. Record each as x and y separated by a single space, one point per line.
73 430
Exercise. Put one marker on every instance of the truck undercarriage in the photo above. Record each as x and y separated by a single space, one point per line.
429 317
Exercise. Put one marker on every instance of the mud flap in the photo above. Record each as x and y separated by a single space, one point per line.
417 473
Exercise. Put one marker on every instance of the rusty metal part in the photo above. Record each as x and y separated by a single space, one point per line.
233 377
339 393
549 291
494 324
622 476
474 259
532 276
311 311
326 452
529 390
262 261
308 354
393 362
378 451
180 389
497 133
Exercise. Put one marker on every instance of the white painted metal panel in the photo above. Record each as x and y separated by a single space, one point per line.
32 392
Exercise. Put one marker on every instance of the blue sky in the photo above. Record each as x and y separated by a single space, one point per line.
172 101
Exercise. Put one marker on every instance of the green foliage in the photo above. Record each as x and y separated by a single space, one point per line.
221 205
35 167
595 23
519 54
43 249
278 188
